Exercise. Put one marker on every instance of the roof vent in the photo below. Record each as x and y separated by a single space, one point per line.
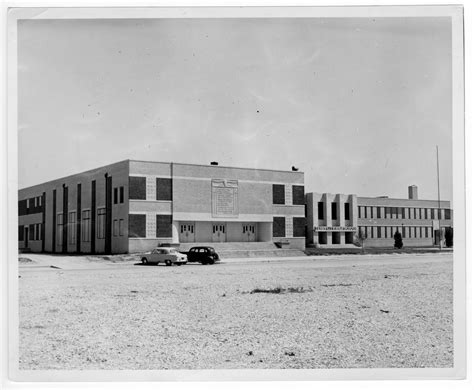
294 169
214 163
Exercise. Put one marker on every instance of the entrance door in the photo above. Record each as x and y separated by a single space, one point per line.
218 232
248 231
186 232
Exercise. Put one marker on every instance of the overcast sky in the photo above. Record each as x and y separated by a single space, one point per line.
359 105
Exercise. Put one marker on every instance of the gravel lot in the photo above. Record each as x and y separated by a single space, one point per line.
386 311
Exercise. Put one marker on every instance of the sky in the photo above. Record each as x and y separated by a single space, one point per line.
357 104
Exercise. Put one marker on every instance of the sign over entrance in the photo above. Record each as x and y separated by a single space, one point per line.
225 196
335 229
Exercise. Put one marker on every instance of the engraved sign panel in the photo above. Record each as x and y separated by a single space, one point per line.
225 198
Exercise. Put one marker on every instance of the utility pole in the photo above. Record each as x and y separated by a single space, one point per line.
439 202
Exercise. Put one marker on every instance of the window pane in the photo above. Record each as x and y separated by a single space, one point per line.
278 226
298 195
278 194
137 188
164 226
137 225
163 189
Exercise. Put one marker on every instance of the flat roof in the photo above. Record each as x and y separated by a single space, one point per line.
149 161
216 166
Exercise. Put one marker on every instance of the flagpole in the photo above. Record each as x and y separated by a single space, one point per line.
439 202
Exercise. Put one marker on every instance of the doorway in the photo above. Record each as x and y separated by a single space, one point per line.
186 232
218 232
248 232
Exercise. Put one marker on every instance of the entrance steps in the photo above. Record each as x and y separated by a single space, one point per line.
227 250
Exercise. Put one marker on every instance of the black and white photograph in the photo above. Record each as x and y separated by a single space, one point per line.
205 193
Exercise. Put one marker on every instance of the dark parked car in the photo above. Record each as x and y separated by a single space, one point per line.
202 254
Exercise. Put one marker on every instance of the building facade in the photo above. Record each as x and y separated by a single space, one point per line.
133 206
338 219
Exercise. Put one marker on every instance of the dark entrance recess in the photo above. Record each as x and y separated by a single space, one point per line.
108 214
336 237
322 238
349 238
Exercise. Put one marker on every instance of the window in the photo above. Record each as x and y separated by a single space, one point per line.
347 212
22 208
299 227
388 212
59 230
86 223
320 210
137 225
379 232
121 194
298 195
378 212
427 232
403 232
164 189
121 227
115 229
439 213
278 226
278 194
359 212
115 195
31 232
399 212
21 233
333 210
163 226
137 188
447 213
415 231
38 235
101 223
71 229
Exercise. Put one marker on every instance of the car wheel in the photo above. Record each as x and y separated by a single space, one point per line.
168 263
178 264
144 261
210 262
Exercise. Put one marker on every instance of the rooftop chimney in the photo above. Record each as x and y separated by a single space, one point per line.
413 192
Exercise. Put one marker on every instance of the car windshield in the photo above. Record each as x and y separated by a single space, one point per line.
210 250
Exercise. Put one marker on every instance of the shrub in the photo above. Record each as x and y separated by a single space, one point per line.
398 240
448 236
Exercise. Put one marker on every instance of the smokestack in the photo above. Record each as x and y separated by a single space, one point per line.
413 192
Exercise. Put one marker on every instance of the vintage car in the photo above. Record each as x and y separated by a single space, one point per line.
168 256
203 255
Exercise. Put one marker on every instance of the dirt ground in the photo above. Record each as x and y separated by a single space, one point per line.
357 311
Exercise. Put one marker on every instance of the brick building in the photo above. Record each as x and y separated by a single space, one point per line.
133 206
338 219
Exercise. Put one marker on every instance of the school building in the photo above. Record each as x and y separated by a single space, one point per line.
338 219
134 206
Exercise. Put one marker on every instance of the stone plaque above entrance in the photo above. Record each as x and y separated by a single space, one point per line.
225 196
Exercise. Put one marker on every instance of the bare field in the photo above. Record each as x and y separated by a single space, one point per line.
386 311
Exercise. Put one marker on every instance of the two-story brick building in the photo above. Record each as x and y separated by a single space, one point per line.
338 219
133 206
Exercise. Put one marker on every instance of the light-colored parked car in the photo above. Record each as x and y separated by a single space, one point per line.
168 256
